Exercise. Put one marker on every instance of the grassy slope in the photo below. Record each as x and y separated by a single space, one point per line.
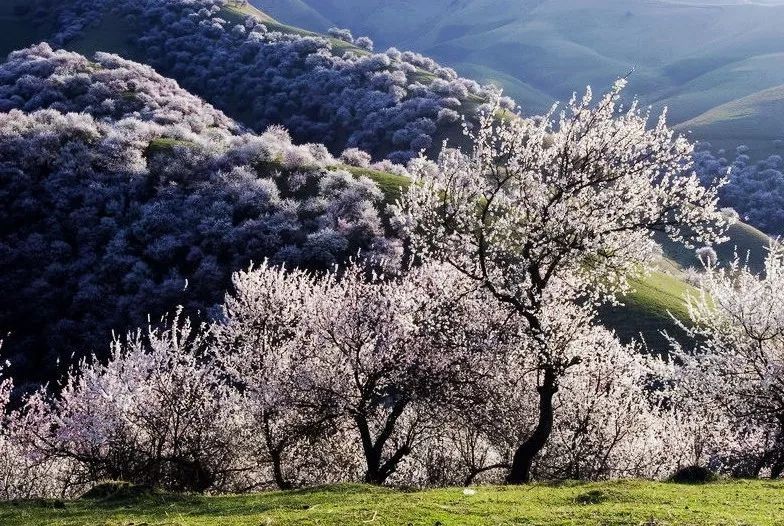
656 298
743 240
613 503
723 85
647 311
755 120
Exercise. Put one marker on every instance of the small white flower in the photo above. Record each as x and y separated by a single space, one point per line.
469 491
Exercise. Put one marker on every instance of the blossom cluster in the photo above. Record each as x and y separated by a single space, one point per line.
307 378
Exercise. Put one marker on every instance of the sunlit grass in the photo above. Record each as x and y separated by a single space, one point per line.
610 503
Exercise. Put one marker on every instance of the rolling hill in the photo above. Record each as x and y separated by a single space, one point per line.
751 120
324 89
692 56
647 310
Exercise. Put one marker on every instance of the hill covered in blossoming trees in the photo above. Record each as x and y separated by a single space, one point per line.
178 195
125 195
327 89
236 255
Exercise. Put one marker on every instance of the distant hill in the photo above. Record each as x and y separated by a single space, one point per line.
692 56
751 120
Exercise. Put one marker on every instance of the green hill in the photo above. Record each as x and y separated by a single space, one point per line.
692 56
755 120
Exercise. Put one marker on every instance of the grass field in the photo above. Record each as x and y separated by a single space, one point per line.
611 503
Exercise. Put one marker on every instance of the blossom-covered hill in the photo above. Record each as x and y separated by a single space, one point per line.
107 87
126 196
332 89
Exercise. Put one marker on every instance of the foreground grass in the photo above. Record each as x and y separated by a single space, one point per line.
611 503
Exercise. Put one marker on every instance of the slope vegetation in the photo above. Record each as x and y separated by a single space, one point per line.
173 216
324 88
691 56
145 199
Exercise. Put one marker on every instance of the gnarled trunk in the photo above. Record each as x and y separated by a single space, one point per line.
275 450
777 469
520 472
277 471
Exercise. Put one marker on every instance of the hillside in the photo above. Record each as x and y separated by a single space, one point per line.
529 48
323 88
208 290
591 504
751 120
649 310
690 56
146 199
146 96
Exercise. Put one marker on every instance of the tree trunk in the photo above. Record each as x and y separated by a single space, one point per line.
277 470
378 469
778 468
372 455
520 473
275 450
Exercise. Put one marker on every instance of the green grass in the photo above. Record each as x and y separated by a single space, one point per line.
166 144
661 294
612 503
390 184
236 14
649 310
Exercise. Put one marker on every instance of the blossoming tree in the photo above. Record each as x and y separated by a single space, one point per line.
735 375
554 211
